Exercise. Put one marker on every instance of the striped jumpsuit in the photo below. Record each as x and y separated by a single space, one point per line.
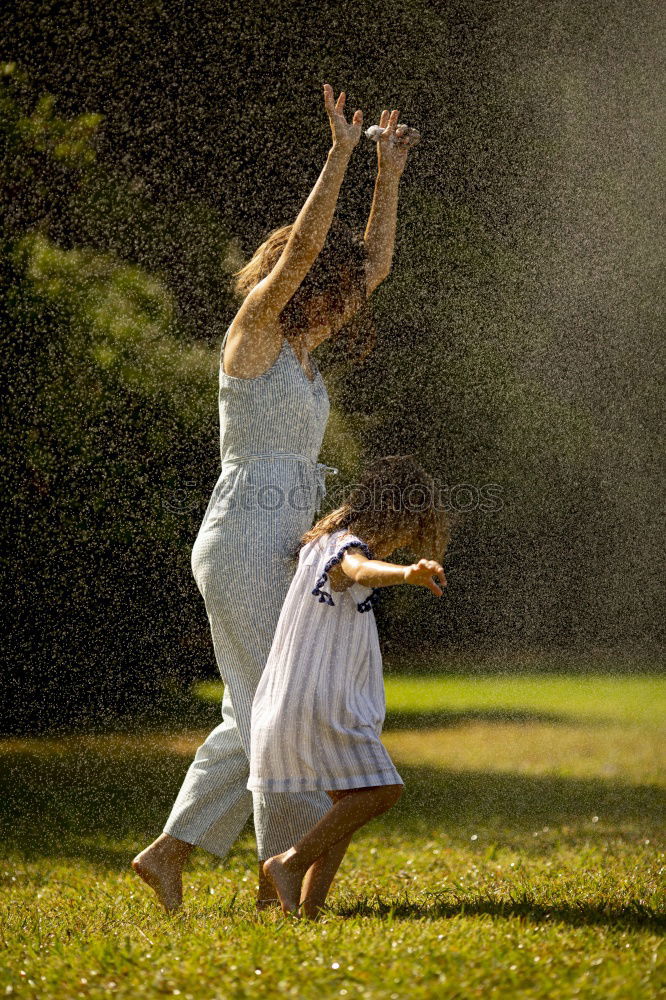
268 490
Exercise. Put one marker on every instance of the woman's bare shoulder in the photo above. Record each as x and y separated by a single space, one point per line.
250 348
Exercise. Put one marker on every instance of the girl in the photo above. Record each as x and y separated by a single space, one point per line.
319 707
304 283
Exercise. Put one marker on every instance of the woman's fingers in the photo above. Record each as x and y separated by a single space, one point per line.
333 107
402 135
392 122
387 120
337 108
344 132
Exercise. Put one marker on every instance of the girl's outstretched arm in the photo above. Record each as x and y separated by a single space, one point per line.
380 231
376 573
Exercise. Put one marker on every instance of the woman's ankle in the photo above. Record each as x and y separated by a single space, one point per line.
176 849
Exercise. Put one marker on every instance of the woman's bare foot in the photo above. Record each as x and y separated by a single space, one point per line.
287 881
161 867
270 903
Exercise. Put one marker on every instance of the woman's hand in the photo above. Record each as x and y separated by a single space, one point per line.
393 145
344 136
421 574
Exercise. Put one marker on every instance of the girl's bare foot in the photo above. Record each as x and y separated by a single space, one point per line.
286 880
267 897
161 867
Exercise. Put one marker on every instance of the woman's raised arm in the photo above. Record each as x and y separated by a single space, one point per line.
312 224
379 238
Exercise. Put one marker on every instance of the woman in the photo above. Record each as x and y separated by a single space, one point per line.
273 412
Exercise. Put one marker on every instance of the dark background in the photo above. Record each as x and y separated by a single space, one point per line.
149 148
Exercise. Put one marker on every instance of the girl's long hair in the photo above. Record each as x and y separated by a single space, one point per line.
338 273
394 499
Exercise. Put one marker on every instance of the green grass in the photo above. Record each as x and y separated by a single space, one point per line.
525 859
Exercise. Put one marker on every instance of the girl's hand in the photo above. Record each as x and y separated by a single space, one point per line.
421 574
344 136
393 145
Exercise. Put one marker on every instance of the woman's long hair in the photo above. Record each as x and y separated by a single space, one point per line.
338 273
394 499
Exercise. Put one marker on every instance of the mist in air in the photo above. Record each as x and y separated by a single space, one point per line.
148 151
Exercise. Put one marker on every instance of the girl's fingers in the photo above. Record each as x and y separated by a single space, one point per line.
433 570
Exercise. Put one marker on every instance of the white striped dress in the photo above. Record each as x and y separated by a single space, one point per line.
319 707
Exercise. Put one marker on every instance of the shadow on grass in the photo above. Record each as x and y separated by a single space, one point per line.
397 718
508 806
203 708
179 711
191 712
634 915
445 718
101 800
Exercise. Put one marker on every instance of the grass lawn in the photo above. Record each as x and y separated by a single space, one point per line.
526 859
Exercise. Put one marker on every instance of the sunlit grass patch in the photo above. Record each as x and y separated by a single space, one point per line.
631 699
633 753
524 860
639 700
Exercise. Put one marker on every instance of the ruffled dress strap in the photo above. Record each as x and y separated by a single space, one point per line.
339 548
